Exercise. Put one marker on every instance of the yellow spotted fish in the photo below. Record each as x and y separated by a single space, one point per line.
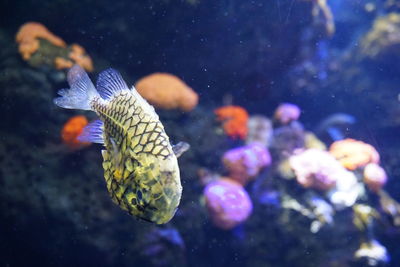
140 165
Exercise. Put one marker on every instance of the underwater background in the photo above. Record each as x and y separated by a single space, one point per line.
291 109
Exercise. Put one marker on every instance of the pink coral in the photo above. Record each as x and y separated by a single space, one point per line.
374 177
316 168
227 203
286 112
244 163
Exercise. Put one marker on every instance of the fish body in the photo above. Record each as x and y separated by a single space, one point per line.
140 167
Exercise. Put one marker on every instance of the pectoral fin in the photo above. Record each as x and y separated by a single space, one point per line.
180 148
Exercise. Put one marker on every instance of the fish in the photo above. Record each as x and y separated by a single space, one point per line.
140 165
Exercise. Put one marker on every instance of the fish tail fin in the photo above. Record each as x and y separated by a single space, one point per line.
80 93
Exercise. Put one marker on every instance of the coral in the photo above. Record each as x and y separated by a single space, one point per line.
259 130
227 203
286 113
28 36
312 141
374 177
167 91
390 206
72 129
323 212
79 56
244 163
353 154
163 247
39 46
346 191
234 119
286 139
383 40
62 63
316 169
373 252
363 216
323 16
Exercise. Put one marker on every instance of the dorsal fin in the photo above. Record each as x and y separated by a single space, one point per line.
110 82
143 103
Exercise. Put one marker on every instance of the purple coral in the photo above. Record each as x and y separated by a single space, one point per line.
227 203
244 163
286 113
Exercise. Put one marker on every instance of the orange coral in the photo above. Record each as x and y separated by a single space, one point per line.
28 35
72 129
234 120
353 154
167 91
78 54
28 38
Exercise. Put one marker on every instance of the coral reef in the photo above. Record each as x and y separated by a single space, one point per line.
326 56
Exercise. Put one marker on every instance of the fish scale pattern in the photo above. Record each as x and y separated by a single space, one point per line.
143 178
